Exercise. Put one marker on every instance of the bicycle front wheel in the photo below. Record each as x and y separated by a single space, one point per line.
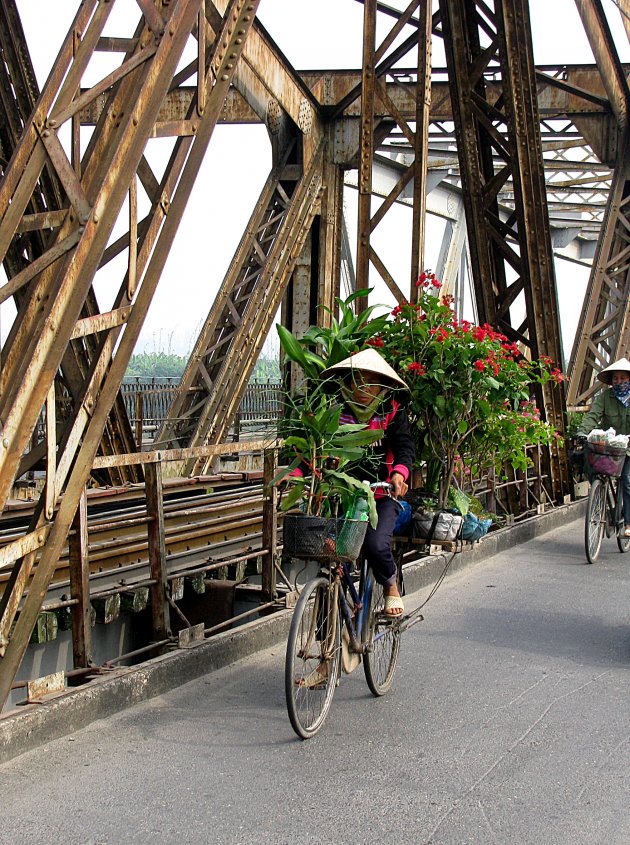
595 519
383 639
313 655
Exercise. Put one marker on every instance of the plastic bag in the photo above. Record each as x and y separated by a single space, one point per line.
404 516
474 528
437 525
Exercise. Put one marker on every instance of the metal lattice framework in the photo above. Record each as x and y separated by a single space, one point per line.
519 160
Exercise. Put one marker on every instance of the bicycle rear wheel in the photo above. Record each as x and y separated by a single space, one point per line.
383 639
623 543
595 519
313 655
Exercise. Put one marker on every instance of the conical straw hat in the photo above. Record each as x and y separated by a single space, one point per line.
622 365
368 360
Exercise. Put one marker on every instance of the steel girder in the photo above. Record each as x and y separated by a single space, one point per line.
603 332
243 312
377 63
262 269
95 187
511 258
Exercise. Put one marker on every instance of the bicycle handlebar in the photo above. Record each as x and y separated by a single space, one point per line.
380 485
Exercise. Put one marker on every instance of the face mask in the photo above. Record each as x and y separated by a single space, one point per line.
622 392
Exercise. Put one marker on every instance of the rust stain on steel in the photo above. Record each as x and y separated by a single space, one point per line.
47 685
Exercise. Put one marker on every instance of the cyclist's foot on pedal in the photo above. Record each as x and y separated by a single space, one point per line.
626 531
394 606
317 679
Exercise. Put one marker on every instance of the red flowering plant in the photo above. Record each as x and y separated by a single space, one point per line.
470 387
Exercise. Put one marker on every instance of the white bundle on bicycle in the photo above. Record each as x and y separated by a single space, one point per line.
608 438
606 451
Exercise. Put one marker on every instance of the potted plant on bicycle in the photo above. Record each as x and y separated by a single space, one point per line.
333 507
346 426
470 388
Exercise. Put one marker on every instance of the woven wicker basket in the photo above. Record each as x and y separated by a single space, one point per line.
319 538
604 460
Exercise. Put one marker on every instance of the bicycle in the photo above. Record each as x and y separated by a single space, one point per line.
604 510
336 627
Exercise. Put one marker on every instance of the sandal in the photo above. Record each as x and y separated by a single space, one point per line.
315 679
392 605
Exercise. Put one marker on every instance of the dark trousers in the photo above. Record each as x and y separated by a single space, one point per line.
625 483
377 546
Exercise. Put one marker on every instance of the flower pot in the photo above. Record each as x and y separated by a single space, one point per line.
319 538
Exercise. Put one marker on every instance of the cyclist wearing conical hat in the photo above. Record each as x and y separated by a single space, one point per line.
371 392
611 409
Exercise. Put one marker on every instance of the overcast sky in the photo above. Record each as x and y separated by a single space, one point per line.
312 34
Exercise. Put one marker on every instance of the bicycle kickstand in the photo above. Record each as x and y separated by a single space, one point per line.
410 620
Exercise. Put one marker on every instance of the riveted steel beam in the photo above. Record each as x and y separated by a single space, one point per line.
19 94
511 260
603 331
605 52
112 157
245 307
378 64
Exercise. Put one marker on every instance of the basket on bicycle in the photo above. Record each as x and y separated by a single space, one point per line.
321 538
603 459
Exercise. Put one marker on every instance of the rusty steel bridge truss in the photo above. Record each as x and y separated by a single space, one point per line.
520 160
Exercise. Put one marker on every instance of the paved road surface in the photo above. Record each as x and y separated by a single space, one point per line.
509 724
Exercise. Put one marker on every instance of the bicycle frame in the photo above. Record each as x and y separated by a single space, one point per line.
361 602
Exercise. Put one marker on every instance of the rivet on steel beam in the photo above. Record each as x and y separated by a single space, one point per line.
52 123
238 40
95 218
225 77
229 66
246 17
45 133
134 120
40 538
5 443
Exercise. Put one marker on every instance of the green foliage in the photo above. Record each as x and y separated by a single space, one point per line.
156 365
574 418
470 387
320 348
322 449
266 370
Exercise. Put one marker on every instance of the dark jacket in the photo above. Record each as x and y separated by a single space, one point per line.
606 412
394 451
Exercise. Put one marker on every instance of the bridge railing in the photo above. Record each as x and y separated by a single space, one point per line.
148 400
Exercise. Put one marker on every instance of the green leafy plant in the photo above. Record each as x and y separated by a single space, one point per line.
322 347
319 447
325 452
470 388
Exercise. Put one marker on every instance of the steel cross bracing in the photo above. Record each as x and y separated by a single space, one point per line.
322 125
604 329
245 309
96 183
32 241
510 258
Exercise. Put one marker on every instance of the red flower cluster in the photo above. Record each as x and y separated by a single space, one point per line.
440 334
376 341
418 369
428 280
